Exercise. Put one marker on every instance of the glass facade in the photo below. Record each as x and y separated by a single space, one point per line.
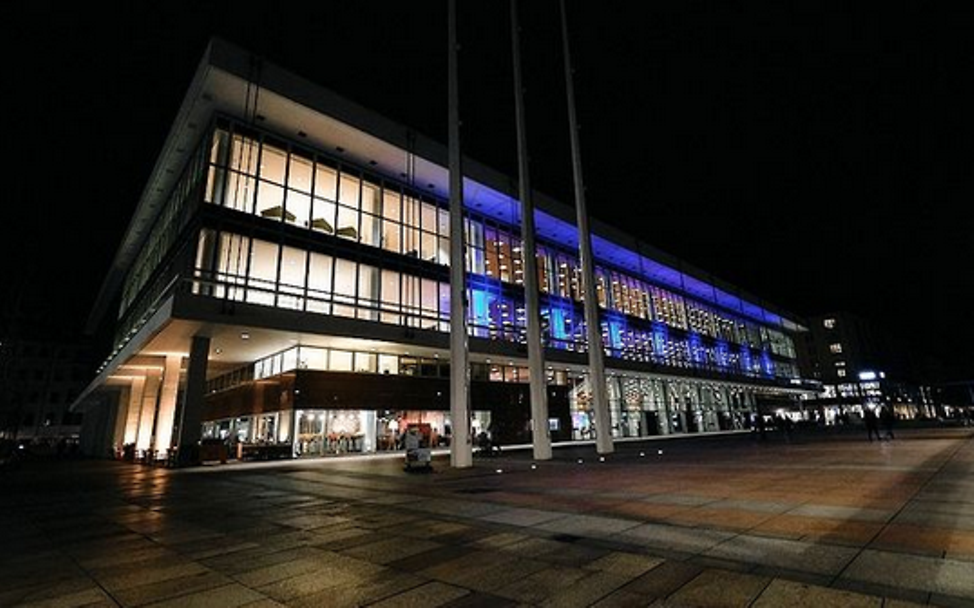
261 176
259 235
257 220
288 228
639 406
236 267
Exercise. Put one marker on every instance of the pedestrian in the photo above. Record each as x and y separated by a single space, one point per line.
784 424
872 423
888 418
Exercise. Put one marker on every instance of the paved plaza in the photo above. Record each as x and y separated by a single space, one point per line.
817 520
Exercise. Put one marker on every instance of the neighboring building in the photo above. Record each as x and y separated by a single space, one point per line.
860 367
285 281
956 399
40 379
43 369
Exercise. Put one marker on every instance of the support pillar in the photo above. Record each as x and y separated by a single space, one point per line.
133 410
168 396
662 387
284 426
121 417
147 417
684 403
191 419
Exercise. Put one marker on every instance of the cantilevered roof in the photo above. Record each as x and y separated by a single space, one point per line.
231 81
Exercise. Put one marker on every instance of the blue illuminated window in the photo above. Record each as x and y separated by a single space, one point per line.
746 361
767 364
723 354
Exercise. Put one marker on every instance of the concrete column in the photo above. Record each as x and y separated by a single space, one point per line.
133 410
664 409
726 406
685 401
709 406
191 418
284 420
168 395
121 417
293 415
147 418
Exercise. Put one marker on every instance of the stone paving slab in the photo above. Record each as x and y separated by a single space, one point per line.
952 578
588 525
65 591
794 555
522 517
171 588
845 513
429 595
685 540
720 589
231 595
360 593
541 585
825 521
585 591
782 594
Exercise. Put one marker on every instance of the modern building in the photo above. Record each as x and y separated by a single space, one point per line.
284 283
860 368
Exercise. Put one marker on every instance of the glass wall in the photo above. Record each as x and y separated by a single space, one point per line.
642 407
341 360
259 175
261 272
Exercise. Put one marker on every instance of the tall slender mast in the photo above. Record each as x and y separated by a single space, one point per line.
461 455
540 439
593 329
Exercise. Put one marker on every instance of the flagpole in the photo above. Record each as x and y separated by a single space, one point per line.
461 455
593 328
540 436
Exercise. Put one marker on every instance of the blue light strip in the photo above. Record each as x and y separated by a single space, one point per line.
553 229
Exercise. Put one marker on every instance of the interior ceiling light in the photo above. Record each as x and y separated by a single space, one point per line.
244 335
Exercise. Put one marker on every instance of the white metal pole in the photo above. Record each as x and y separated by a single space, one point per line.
461 454
540 436
593 329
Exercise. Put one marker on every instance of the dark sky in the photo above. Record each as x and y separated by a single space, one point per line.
817 155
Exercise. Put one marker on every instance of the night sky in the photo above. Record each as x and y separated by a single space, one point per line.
819 156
